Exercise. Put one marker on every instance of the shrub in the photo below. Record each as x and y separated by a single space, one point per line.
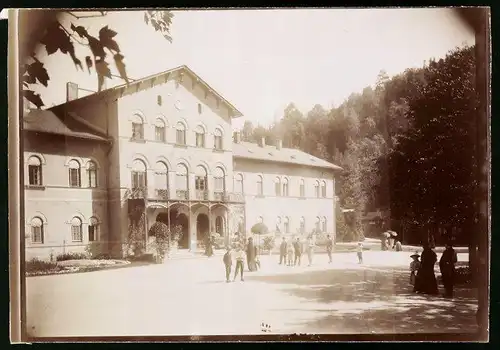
268 243
259 229
463 275
71 256
36 265
96 250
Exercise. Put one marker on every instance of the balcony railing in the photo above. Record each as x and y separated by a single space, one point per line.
162 194
138 192
182 194
201 195
229 197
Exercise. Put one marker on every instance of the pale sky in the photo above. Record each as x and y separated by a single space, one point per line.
260 60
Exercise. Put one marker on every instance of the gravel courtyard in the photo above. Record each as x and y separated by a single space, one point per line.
190 297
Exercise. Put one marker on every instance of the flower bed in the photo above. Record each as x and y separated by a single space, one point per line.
37 267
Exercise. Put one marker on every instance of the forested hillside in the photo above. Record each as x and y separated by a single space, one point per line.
406 146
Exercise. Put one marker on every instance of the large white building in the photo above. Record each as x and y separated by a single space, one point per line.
163 144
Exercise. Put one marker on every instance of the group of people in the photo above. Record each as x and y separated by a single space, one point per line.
250 254
291 251
422 275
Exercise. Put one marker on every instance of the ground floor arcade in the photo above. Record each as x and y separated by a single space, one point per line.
197 220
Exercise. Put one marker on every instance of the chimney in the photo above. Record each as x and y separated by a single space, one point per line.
262 141
237 137
279 143
71 91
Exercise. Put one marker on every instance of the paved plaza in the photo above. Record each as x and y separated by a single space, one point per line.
190 297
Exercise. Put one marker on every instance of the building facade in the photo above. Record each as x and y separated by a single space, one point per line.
164 147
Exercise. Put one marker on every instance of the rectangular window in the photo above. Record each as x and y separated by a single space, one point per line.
36 234
323 191
92 178
74 177
260 188
137 131
324 226
286 227
138 179
161 181
302 190
181 182
200 183
92 233
35 175
76 233
200 140
277 189
219 184
218 143
159 134
181 137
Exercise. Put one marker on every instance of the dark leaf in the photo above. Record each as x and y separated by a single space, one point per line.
105 33
88 61
111 45
102 68
33 98
96 47
155 24
29 79
121 67
168 37
26 84
38 72
146 18
82 32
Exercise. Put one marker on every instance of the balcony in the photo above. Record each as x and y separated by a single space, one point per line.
182 194
161 194
201 195
138 192
229 197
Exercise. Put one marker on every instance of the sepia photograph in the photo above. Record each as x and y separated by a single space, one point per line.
249 174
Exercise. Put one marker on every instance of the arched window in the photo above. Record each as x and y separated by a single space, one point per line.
218 139
219 180
238 185
302 225
37 234
182 181
323 189
76 230
277 186
278 224
92 173
139 178
160 130
260 186
34 171
161 180
316 188
302 188
137 128
286 225
74 174
93 229
285 187
200 136
201 183
317 224
181 134
323 224
199 108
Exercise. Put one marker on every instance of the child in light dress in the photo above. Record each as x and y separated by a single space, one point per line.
414 266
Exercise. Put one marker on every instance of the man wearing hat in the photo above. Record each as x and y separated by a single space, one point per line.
414 266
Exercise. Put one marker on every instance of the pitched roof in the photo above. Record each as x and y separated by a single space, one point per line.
253 151
53 122
157 79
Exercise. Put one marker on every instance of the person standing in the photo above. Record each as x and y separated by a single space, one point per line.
228 261
240 263
329 248
414 266
209 251
310 250
251 249
283 251
297 246
359 251
425 281
447 267
289 251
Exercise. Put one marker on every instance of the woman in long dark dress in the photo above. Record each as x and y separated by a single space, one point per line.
251 255
425 281
447 267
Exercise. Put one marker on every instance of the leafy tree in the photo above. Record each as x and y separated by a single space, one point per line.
57 38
